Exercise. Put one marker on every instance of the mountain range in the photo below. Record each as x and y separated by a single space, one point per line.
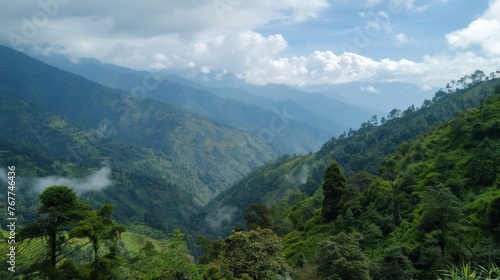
289 120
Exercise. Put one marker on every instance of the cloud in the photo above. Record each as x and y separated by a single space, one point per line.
401 39
409 5
370 89
329 68
94 182
192 36
482 32
221 215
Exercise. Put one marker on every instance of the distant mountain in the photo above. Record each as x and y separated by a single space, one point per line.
294 125
196 156
345 115
379 96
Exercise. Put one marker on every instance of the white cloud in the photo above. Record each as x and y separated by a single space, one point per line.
329 68
191 35
370 89
94 182
482 32
401 39
224 214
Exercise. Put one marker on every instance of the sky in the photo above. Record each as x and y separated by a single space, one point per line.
291 42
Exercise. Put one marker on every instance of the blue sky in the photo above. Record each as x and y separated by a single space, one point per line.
292 42
339 25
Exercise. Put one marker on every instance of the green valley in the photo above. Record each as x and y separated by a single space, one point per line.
115 185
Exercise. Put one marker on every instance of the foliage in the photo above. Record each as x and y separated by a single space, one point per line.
99 228
334 187
340 257
470 271
256 253
60 210
258 216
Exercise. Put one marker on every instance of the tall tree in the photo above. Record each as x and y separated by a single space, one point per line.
441 217
334 186
60 210
98 227
340 257
389 172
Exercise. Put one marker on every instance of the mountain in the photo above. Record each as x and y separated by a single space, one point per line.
295 125
164 162
432 209
344 114
412 197
288 178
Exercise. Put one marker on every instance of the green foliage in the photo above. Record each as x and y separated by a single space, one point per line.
256 253
341 257
60 210
396 265
99 228
258 216
334 187
473 272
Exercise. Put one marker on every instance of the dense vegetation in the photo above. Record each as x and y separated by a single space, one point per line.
417 200
414 195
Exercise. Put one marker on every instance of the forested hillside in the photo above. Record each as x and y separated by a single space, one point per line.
204 157
156 164
425 210
291 177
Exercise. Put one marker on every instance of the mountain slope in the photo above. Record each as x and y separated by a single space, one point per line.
209 156
433 205
286 126
361 150
41 144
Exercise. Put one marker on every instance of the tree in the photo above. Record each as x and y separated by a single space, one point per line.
497 89
60 210
98 227
389 172
394 113
334 186
256 253
441 217
258 215
341 257
396 265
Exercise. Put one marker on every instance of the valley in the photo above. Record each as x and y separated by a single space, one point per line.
190 175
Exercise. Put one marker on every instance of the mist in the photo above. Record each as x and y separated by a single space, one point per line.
96 181
221 215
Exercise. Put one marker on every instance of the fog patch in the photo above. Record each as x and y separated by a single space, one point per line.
96 181
221 215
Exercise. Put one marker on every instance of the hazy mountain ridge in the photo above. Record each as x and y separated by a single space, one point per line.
294 125
211 156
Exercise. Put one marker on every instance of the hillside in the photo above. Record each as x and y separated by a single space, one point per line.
155 163
433 205
289 178
210 156
286 125
424 205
